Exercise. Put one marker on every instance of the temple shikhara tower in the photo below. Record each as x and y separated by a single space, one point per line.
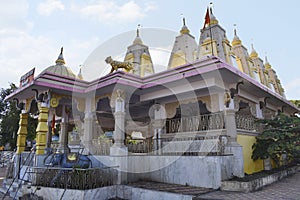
192 124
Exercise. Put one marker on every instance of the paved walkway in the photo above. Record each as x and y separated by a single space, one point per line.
286 189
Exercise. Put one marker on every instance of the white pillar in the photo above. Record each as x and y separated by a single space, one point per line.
230 125
158 124
119 152
232 146
88 125
259 112
119 147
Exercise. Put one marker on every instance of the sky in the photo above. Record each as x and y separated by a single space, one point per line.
32 32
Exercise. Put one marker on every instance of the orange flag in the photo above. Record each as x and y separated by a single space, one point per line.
207 18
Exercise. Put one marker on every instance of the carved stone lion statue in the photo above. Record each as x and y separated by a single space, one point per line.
115 65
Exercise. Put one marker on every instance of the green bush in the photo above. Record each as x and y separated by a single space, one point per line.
280 136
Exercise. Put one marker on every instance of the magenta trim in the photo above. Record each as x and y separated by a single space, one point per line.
71 89
119 77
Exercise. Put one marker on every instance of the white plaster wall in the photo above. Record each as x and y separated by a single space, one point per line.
201 171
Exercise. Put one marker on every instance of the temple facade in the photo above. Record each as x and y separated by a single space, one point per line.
193 123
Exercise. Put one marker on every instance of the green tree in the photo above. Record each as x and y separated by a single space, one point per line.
31 127
296 102
10 116
280 136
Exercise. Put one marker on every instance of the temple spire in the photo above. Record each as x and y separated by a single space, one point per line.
60 60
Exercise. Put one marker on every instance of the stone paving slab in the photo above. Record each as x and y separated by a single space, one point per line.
286 189
173 188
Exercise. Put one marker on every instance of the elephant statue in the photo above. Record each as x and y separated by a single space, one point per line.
67 160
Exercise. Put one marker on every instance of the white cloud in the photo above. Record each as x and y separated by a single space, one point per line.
13 15
49 6
111 12
20 52
150 6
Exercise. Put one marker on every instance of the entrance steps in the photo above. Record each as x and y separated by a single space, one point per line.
13 189
148 191
154 190
145 190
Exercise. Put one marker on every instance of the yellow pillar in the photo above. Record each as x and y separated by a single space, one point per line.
41 130
22 133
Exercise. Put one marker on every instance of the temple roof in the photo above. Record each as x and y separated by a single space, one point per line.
60 68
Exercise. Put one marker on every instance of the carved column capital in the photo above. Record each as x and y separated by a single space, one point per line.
117 95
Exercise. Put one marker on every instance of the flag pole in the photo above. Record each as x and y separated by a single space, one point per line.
211 36
207 22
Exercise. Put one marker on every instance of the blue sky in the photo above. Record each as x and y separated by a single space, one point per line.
32 32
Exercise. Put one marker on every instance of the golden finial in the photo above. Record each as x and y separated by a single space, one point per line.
253 54
236 40
184 29
60 60
267 64
137 39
